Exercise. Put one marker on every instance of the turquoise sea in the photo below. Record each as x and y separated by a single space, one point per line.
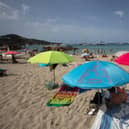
108 48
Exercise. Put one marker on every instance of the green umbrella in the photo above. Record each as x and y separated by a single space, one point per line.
53 58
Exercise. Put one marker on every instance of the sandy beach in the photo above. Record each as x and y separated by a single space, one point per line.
23 99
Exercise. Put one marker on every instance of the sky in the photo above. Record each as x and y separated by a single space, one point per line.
66 21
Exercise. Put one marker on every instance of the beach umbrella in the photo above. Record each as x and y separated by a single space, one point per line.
119 53
12 53
1 54
96 74
43 65
3 51
123 59
52 58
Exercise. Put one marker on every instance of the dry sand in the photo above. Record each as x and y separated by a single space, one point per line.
23 99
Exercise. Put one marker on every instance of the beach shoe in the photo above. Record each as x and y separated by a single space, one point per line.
92 111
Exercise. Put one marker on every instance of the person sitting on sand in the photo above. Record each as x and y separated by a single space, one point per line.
114 96
122 94
108 94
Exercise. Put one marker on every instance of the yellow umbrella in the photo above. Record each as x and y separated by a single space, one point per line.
51 58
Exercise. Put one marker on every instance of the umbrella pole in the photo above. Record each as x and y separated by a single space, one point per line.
54 79
99 98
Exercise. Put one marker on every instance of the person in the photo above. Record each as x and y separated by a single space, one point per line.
108 96
97 99
1 57
122 94
115 96
14 59
95 103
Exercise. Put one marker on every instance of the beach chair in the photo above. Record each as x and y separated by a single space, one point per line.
115 118
3 72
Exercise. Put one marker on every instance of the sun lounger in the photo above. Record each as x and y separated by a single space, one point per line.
115 118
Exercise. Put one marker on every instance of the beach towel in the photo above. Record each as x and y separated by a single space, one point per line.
115 118
64 97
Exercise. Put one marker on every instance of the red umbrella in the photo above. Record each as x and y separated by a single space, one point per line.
123 59
11 53
3 50
120 53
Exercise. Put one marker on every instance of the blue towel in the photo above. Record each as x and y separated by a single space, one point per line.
115 118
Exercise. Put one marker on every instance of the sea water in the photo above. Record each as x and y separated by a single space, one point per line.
108 48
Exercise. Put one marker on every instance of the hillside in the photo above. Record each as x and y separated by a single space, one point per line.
16 42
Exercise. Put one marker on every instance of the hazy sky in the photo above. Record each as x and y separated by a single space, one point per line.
66 20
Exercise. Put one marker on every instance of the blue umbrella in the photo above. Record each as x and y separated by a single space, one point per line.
96 74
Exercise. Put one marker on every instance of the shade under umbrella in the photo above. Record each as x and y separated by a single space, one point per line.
96 74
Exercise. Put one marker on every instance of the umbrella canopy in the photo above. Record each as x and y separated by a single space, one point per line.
3 50
51 57
124 59
119 53
96 74
12 53
43 65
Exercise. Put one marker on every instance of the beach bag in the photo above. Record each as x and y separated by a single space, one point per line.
115 99
122 93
